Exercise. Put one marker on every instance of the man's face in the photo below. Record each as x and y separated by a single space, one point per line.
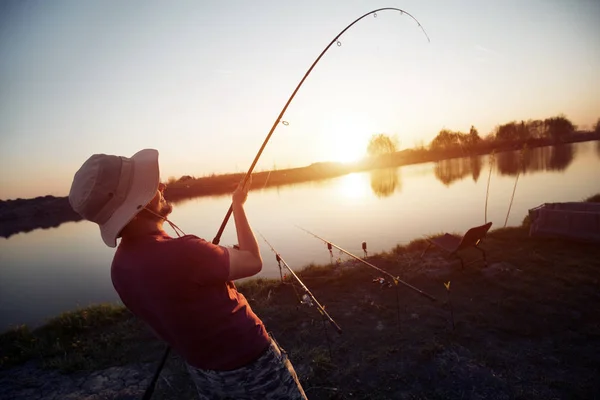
158 204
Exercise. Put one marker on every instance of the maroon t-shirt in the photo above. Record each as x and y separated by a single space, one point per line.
179 287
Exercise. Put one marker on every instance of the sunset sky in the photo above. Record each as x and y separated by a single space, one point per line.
203 82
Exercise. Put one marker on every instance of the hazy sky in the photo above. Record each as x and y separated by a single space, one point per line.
203 82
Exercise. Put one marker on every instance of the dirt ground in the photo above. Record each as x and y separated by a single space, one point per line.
526 326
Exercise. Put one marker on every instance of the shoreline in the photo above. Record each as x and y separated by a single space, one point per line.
517 327
25 215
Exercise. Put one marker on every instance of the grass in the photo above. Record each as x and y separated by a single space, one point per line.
86 339
524 327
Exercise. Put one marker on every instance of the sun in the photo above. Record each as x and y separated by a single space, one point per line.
347 138
347 152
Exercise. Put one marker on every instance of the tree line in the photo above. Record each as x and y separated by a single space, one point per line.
554 129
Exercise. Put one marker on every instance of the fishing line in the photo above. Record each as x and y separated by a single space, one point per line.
278 120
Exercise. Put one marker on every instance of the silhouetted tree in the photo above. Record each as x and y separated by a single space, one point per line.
513 132
472 139
597 128
558 127
446 139
381 144
536 128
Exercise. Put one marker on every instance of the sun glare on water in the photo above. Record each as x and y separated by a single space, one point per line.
354 186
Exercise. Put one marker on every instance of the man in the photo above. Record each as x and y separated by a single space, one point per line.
182 287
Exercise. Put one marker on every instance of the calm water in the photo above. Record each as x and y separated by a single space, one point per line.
45 272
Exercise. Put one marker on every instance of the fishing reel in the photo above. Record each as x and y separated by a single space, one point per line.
382 282
307 300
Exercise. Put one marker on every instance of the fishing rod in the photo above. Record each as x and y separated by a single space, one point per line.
521 167
395 279
491 160
313 299
217 238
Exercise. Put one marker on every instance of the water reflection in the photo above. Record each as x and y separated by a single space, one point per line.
551 158
385 181
448 171
475 167
554 158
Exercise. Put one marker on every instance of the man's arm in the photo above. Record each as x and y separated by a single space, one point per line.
247 260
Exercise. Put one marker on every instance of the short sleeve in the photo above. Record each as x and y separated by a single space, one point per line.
207 263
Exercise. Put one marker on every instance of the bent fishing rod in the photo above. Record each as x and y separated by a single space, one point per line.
217 238
395 279
313 299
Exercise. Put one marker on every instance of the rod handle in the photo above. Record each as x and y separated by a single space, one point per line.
217 238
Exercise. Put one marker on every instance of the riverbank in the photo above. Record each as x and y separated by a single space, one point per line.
24 215
521 327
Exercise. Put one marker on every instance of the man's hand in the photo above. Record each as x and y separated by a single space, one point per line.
241 192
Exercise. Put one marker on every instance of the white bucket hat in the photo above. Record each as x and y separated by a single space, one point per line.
110 190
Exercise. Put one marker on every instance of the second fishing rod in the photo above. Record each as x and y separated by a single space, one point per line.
321 309
396 280
307 298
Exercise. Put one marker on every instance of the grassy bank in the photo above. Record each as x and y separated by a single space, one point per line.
526 326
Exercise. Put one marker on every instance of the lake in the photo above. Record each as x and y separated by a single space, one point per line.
46 272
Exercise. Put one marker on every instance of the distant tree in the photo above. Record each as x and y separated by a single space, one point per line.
513 132
472 138
558 127
381 144
445 139
597 128
536 128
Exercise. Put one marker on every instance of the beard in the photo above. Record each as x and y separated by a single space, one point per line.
155 213
165 210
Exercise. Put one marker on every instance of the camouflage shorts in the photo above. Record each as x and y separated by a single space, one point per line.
270 377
